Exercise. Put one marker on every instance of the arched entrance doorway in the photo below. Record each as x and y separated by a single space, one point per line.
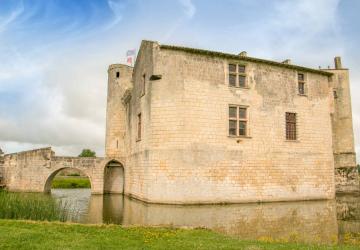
114 178
69 177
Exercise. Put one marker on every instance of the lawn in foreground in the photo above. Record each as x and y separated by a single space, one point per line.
53 235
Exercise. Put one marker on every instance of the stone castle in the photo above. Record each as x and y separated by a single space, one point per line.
198 126
191 126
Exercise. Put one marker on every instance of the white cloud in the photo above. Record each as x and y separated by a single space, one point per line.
189 10
117 7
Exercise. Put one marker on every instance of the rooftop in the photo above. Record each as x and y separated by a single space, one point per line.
243 58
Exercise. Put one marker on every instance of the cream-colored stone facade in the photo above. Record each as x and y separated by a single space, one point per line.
183 152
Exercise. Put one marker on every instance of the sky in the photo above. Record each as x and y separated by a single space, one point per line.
54 54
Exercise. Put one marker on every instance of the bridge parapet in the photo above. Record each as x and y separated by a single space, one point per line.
75 162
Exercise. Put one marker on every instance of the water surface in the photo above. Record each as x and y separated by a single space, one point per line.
308 221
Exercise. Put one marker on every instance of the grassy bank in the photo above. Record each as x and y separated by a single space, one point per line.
42 235
31 207
70 182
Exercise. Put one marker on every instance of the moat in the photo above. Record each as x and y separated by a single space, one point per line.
308 221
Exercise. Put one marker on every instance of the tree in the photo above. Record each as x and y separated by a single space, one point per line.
87 153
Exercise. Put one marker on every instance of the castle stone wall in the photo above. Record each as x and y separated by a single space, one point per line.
346 172
193 160
119 81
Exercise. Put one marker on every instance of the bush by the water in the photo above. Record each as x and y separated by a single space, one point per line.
71 182
31 206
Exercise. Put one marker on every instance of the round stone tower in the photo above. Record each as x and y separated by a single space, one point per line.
119 82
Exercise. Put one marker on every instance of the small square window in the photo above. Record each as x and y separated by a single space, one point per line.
117 74
242 113
232 127
242 81
241 69
232 68
232 112
232 80
242 128
301 77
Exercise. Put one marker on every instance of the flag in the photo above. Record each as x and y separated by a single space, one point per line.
130 55
130 52
129 60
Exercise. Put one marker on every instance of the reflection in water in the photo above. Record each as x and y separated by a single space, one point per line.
310 221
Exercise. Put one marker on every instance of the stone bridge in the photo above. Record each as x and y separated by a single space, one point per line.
34 170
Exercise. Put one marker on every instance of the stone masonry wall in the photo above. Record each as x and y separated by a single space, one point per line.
33 171
187 154
23 171
346 173
119 81
138 173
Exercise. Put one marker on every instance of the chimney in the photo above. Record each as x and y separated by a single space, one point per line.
287 61
243 53
338 62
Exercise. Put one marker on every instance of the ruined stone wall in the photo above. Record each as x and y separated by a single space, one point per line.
346 173
191 159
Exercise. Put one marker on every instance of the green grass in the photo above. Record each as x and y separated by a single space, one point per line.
49 235
71 182
30 206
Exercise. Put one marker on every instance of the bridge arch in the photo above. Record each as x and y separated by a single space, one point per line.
50 178
114 177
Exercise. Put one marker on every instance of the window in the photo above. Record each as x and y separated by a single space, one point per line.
335 94
139 127
301 83
117 74
143 85
237 75
291 126
238 119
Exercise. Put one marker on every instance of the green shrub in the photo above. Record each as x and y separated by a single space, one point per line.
31 206
87 153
